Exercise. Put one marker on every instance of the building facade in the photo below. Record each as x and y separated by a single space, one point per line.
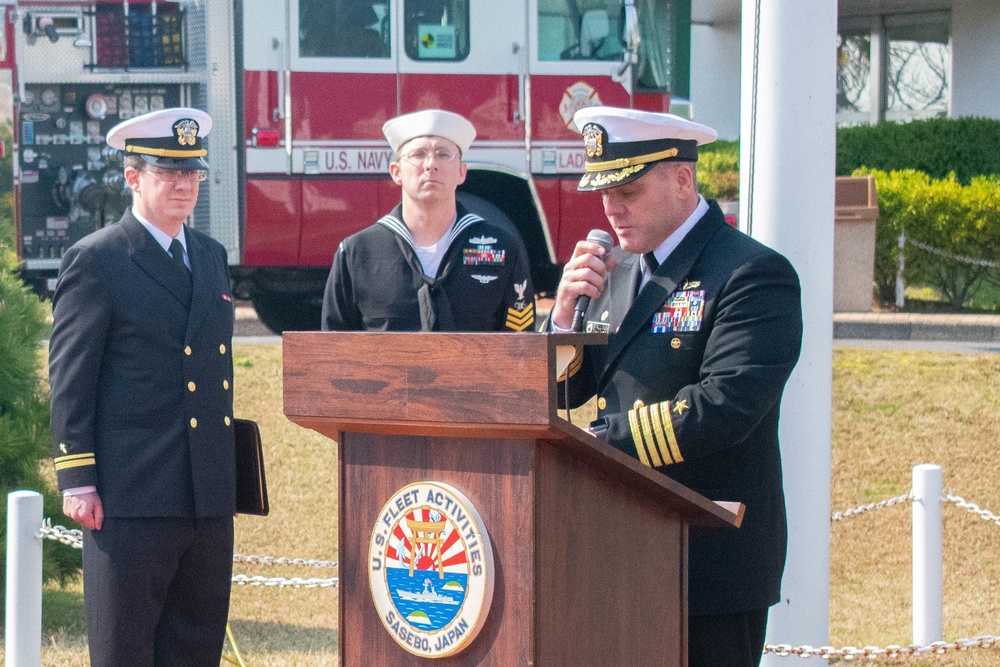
896 60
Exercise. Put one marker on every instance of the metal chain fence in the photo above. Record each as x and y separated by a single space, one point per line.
882 504
893 651
947 255
74 538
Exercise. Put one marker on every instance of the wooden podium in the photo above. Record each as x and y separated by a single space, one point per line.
589 545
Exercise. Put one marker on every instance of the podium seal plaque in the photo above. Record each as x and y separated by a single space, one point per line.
430 569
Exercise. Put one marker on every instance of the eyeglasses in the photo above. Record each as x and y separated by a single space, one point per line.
175 175
419 156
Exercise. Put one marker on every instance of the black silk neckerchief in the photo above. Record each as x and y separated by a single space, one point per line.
435 307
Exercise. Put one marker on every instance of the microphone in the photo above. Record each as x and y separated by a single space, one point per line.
603 239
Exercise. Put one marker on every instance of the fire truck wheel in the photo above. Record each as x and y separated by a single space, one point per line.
280 311
487 210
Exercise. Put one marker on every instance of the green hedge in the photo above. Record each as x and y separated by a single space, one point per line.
959 220
968 147
24 410
719 170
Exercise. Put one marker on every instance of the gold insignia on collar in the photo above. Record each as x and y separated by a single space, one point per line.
187 131
691 284
681 406
592 141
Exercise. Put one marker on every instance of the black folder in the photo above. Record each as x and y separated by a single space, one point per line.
251 485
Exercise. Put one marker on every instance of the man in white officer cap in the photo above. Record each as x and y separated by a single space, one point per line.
141 373
430 264
704 327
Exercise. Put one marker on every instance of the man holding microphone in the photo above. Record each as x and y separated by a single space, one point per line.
704 328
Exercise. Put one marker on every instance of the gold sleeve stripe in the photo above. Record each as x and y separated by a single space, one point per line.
647 433
574 365
73 457
519 320
66 465
661 436
668 428
633 422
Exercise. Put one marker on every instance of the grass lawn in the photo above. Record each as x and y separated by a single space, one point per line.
892 410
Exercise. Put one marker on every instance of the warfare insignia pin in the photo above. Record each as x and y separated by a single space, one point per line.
483 279
430 568
691 284
482 240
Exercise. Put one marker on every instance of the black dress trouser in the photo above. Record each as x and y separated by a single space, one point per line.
156 591
726 640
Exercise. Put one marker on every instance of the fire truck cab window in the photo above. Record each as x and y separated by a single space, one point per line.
436 29
580 30
343 29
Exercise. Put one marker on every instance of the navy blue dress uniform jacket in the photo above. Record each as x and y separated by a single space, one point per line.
377 283
690 383
141 382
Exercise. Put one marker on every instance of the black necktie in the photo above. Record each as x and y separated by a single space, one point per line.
651 262
177 254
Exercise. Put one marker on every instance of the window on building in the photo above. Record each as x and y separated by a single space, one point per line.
343 29
917 67
893 68
436 29
854 65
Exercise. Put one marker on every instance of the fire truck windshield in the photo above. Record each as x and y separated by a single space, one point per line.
350 29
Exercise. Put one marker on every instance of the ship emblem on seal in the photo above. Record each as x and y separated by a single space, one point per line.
430 569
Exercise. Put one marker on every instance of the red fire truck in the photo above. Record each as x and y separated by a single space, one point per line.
299 90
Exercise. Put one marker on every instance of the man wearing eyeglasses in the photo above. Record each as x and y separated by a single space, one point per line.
430 264
141 377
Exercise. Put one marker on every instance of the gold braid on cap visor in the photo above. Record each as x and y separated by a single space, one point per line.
623 162
166 152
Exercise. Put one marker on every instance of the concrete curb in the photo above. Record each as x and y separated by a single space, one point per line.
917 327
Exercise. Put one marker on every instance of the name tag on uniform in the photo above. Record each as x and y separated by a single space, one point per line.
682 312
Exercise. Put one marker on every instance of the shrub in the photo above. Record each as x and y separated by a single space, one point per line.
936 146
957 220
719 170
24 412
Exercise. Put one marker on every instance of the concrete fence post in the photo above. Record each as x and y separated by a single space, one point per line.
23 635
928 586
900 269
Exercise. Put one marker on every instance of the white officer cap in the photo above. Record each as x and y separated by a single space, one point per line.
169 138
622 143
427 123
